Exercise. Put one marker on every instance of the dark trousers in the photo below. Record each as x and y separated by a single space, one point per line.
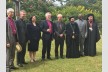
12 54
8 60
46 48
59 41
21 55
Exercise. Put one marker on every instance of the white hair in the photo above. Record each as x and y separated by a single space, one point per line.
48 13
10 10
59 15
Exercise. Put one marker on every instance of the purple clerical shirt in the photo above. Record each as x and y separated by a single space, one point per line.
50 26
12 25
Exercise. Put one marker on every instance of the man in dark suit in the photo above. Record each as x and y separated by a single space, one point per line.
59 29
11 40
47 29
21 27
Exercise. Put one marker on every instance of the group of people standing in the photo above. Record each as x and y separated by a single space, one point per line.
15 34
80 36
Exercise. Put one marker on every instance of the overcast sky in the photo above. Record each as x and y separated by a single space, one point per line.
57 3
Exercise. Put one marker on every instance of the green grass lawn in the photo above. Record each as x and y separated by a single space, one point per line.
82 64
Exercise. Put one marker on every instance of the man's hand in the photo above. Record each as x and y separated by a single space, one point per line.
8 45
86 35
48 30
28 41
61 35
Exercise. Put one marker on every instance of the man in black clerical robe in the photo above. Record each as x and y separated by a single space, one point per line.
93 36
72 39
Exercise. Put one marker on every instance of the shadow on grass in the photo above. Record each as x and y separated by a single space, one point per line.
35 64
32 65
99 53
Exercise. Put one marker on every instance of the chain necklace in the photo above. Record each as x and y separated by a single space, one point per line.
73 31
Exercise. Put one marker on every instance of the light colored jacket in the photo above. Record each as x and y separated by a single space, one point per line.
9 36
82 24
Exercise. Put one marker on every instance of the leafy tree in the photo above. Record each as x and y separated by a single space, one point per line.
71 8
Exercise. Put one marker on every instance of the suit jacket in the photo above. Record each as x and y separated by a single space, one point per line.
82 24
33 32
21 28
59 31
10 38
44 26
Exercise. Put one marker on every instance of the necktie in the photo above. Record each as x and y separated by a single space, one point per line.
60 26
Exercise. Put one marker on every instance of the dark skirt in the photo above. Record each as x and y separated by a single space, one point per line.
33 45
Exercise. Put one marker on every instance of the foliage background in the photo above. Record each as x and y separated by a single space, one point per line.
66 7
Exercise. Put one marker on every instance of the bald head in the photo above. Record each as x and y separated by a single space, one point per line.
80 16
59 17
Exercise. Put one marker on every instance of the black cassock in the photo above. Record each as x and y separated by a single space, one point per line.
72 44
90 42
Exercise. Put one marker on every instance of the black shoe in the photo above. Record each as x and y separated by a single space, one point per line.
49 58
82 55
62 57
56 57
24 63
20 65
43 59
13 67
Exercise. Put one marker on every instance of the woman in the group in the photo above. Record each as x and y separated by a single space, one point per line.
93 36
33 36
72 39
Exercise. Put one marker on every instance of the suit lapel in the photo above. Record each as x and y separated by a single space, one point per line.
9 29
46 23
